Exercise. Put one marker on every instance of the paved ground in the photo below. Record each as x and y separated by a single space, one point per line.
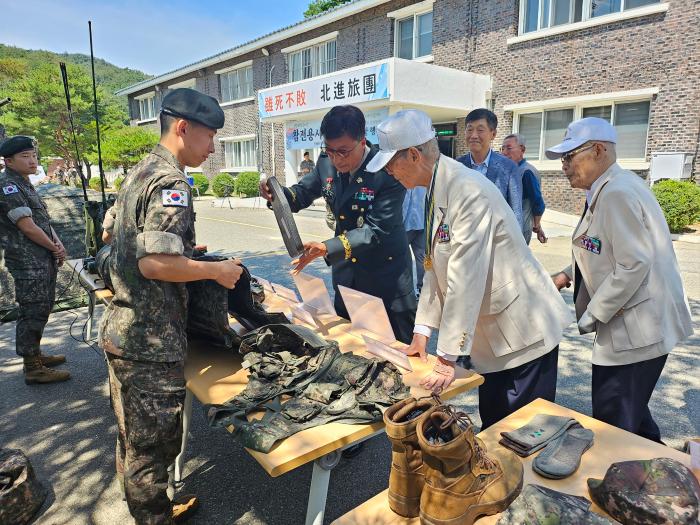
68 429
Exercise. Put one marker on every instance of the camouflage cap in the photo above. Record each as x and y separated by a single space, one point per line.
190 104
654 491
21 494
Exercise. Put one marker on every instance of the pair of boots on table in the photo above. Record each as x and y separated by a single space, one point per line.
440 470
37 369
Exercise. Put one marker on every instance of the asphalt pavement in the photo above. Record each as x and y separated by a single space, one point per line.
68 429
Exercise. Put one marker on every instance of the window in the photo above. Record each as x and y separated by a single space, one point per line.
147 107
312 61
236 84
542 14
543 129
240 154
414 36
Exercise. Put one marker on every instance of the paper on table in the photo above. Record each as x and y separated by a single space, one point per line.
367 313
694 446
303 314
386 352
314 293
285 292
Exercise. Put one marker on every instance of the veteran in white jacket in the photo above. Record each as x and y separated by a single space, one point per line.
628 287
483 289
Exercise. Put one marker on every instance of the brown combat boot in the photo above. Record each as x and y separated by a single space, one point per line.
52 360
462 482
407 475
35 372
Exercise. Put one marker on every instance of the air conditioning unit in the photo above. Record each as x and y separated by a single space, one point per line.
675 166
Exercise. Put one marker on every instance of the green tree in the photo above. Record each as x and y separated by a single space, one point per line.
316 7
39 109
124 147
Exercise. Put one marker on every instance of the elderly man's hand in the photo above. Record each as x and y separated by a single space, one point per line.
441 377
540 234
312 250
561 280
417 347
265 190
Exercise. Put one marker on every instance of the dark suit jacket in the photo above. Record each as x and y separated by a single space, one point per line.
370 250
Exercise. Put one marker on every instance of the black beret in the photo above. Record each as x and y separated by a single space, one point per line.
12 145
192 105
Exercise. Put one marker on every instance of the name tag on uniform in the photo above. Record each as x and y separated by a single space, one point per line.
9 189
590 244
174 198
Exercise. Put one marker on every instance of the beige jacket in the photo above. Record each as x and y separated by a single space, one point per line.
486 292
633 287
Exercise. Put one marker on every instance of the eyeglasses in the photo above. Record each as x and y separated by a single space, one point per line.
343 154
567 158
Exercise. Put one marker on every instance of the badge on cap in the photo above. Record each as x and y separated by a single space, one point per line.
9 189
174 198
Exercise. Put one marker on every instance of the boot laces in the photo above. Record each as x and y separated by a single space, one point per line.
463 421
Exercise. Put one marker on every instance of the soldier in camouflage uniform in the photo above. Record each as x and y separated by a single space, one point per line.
33 253
143 329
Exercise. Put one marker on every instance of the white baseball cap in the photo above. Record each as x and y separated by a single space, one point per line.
400 131
581 131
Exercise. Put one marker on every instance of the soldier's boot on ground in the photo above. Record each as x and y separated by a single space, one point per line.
36 373
462 481
184 506
52 360
407 475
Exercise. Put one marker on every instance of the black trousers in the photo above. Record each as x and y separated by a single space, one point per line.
621 396
506 391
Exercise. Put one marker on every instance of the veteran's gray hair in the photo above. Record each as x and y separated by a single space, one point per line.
518 138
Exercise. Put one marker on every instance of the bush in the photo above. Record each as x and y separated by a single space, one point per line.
118 183
680 202
220 182
247 183
200 182
94 184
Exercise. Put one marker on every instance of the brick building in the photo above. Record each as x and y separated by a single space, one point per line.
538 63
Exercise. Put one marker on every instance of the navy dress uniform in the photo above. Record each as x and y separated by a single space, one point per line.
369 252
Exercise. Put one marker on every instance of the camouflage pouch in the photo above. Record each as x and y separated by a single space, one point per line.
654 491
21 494
207 314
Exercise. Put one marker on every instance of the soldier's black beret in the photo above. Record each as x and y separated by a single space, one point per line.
12 145
192 105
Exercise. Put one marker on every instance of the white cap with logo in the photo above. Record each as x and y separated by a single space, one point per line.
581 131
403 130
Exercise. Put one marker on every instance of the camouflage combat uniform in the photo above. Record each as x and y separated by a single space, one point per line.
33 267
143 331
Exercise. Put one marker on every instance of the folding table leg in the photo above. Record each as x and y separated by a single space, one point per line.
319 487
186 415
91 312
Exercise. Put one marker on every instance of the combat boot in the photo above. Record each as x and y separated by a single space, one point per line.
407 475
462 481
35 372
52 360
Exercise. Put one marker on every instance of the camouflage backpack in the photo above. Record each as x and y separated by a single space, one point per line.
646 492
21 494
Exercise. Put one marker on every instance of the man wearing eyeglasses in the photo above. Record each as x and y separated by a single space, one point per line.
627 284
369 252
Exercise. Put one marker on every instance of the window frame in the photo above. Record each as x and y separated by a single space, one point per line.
146 98
416 36
541 162
315 66
587 17
240 139
224 75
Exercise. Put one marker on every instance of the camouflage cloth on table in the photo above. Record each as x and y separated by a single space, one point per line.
323 384
648 492
21 494
539 505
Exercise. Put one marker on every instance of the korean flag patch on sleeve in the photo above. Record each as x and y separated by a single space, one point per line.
10 189
175 198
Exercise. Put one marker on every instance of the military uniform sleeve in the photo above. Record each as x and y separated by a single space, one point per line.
305 192
387 205
14 206
168 217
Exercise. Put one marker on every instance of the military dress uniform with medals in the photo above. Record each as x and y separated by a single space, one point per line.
32 266
370 250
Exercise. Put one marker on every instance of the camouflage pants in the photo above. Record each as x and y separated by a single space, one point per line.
35 298
148 400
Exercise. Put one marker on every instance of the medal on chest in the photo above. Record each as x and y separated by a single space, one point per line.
328 189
